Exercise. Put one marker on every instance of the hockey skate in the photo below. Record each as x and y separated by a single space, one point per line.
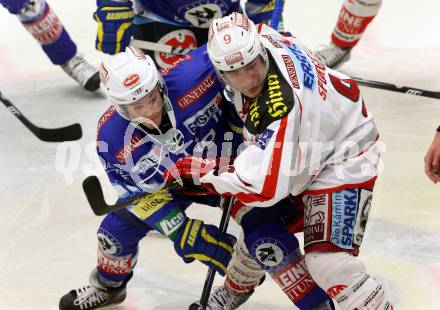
81 71
223 299
332 55
90 297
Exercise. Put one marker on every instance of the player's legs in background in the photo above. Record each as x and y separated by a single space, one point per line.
44 25
353 19
169 35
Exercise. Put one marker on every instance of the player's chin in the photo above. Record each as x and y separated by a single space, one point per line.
254 91
153 121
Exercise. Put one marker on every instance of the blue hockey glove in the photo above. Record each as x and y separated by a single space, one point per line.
206 243
13 6
115 25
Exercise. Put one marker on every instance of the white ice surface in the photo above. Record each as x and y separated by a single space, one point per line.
47 231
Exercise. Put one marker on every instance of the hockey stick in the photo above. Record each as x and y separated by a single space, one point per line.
276 14
95 196
68 133
226 203
401 89
159 47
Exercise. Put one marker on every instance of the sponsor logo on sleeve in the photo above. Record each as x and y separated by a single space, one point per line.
320 72
290 66
308 77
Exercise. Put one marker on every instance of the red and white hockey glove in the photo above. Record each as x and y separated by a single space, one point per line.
189 169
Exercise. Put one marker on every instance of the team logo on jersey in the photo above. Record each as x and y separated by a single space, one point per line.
201 13
264 137
269 252
181 38
109 244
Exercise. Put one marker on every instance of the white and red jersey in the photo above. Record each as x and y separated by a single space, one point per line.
307 131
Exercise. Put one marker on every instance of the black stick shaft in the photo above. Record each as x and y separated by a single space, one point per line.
226 203
401 89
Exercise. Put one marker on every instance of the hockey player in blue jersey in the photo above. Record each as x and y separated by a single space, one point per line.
42 22
151 124
182 23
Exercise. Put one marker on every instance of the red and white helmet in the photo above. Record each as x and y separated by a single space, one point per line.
234 42
128 76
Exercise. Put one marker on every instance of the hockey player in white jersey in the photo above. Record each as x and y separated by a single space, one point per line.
353 19
309 137
44 25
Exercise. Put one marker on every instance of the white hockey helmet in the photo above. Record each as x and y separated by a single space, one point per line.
129 76
234 42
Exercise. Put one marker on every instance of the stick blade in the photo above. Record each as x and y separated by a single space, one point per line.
69 133
195 306
93 190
